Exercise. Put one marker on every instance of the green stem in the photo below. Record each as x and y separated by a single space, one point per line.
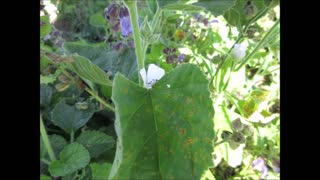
261 43
99 99
222 141
132 7
46 140
224 60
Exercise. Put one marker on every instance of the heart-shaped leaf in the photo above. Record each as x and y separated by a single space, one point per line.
164 132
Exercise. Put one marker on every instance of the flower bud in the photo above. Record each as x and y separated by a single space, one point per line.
238 138
233 145
248 130
237 125
225 134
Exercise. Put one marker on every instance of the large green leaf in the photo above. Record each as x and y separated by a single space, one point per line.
69 118
89 71
164 132
72 157
216 7
90 51
96 142
100 171
123 62
108 60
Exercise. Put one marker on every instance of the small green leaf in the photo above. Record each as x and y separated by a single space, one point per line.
100 171
45 95
96 142
69 118
73 157
153 5
183 7
216 7
44 62
87 70
58 143
45 27
97 20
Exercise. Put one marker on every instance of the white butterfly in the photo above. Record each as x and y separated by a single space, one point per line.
153 75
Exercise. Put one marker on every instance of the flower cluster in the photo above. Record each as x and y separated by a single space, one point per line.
260 165
241 131
172 56
119 18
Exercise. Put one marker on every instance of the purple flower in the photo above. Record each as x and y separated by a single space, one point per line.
215 21
181 57
125 25
111 12
123 12
260 165
198 16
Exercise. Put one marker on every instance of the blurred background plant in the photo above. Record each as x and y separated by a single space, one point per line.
234 42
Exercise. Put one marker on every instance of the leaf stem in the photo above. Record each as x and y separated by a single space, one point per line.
99 99
132 7
222 141
46 140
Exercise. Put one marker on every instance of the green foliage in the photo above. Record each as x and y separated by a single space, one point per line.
163 128
108 60
96 142
97 20
222 77
245 12
57 143
183 7
44 177
45 95
216 7
72 158
87 67
90 51
45 27
100 171
69 118
89 71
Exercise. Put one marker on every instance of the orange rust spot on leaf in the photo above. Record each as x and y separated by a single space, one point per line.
182 131
125 90
189 141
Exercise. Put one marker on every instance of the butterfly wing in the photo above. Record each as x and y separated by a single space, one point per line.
154 74
143 75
